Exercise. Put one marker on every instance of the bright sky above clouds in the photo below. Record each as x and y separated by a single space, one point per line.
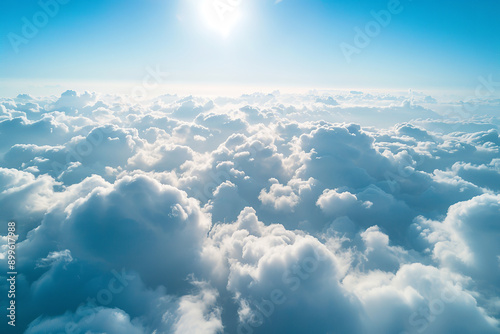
423 45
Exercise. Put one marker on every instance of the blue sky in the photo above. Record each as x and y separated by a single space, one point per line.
427 45
373 207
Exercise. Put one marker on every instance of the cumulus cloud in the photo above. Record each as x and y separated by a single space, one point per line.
197 314
266 213
283 197
465 241
334 202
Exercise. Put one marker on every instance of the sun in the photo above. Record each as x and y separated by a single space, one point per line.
221 15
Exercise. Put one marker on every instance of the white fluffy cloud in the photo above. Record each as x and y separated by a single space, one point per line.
267 213
333 202
466 240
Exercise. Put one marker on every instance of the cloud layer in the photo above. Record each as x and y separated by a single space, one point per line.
267 213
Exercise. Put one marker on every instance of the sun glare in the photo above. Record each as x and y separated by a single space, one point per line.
221 15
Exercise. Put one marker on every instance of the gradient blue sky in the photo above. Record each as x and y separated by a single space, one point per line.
429 45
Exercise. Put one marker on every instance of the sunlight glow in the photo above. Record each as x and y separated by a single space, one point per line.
221 15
